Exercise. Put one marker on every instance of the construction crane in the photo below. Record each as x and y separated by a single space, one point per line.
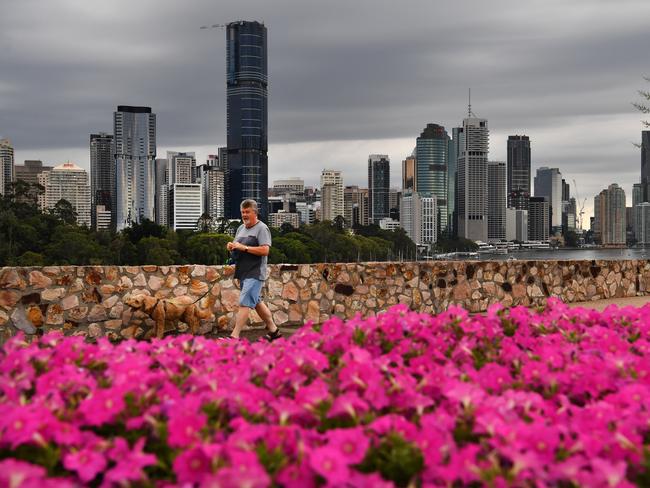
214 26
580 204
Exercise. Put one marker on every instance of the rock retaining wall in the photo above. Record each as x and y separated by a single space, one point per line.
88 300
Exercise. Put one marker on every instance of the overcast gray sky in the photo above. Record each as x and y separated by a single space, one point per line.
346 78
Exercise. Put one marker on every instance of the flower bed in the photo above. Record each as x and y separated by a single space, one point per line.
552 398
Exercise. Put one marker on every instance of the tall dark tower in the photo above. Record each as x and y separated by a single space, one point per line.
645 165
518 172
247 116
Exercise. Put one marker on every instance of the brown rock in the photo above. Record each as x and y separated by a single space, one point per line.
140 280
52 294
39 280
280 317
215 290
171 281
35 316
54 314
4 318
211 274
230 299
164 270
198 287
150 268
295 313
155 283
461 291
111 272
305 294
132 270
9 278
78 313
97 313
110 301
8 299
129 332
125 283
70 302
93 277
95 331
198 271
180 290
91 295
51 270
313 311
107 289
518 290
290 292
228 270
116 311
113 324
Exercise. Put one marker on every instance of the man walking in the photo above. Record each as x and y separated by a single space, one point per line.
250 249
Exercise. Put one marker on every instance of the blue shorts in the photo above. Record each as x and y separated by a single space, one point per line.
250 292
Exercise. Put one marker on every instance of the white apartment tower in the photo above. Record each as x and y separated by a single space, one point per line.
69 182
418 218
7 166
332 201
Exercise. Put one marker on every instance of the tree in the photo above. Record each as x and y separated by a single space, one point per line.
339 223
64 211
156 250
207 249
144 228
642 106
71 244
205 223
286 227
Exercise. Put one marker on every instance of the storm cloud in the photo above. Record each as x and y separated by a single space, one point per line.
346 78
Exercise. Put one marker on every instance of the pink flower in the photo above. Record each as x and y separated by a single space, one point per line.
296 476
102 405
331 464
351 443
184 427
192 465
15 473
348 404
86 462
129 462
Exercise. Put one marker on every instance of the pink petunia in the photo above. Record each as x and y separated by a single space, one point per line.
184 427
102 405
129 462
86 462
193 465
351 443
330 463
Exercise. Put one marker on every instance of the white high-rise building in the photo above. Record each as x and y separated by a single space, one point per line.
213 181
472 195
181 167
162 192
418 218
7 165
497 200
68 182
135 154
516 224
185 205
332 201
548 183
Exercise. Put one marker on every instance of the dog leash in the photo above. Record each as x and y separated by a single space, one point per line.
209 290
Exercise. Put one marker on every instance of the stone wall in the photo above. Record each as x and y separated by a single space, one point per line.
88 300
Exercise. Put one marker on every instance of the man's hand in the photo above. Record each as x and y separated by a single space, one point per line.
235 245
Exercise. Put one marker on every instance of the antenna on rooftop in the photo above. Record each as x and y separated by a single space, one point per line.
469 105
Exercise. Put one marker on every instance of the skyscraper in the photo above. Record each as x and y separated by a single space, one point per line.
332 197
645 166
135 155
408 173
452 183
432 154
548 183
496 200
378 187
162 192
472 179
247 163
181 167
518 171
6 165
213 186
69 182
538 225
356 206
609 211
102 174
418 218
30 170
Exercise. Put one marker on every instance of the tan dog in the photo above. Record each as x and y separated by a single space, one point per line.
167 310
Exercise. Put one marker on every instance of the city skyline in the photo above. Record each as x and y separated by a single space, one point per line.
373 86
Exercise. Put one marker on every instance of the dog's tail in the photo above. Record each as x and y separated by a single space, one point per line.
205 312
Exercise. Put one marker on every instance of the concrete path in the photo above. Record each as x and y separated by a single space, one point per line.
601 305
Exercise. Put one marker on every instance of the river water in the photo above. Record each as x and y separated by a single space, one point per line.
564 254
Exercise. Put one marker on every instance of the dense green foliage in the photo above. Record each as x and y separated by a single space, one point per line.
29 237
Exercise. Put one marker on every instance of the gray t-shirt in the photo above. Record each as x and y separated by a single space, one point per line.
248 265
